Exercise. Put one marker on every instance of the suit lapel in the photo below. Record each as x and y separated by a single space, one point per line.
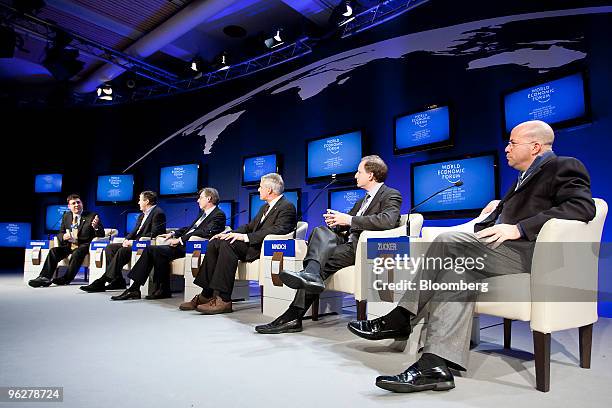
375 200
529 178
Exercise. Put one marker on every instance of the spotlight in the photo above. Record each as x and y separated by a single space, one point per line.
105 92
274 41
343 13
221 62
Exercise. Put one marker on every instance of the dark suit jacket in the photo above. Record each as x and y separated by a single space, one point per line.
154 225
86 232
282 219
560 187
383 213
213 224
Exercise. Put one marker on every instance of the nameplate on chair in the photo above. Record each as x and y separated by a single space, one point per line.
379 247
98 245
193 246
38 244
276 265
36 255
284 246
140 245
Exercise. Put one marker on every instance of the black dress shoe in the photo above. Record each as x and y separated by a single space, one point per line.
418 377
96 286
116 284
310 282
159 294
39 282
280 325
127 294
379 329
61 281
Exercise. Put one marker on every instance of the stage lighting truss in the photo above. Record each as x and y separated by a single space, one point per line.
382 12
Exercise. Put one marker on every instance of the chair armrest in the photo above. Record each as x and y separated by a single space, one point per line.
193 238
430 233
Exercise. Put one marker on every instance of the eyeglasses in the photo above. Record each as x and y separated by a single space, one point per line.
512 143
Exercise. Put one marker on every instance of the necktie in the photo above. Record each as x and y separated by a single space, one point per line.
197 224
364 204
521 178
141 219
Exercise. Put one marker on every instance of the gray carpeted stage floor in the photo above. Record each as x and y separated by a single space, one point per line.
150 354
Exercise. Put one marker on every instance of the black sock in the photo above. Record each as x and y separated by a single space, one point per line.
429 360
207 293
226 297
292 313
399 317
135 287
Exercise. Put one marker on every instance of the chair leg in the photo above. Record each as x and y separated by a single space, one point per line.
541 348
315 310
261 297
507 333
361 309
586 341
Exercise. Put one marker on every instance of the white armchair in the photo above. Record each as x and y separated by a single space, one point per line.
562 266
109 234
349 279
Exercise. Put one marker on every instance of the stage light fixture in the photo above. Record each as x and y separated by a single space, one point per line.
275 40
221 62
105 92
344 12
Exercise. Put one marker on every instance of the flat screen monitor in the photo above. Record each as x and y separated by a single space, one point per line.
114 188
131 219
560 102
253 167
423 130
337 155
15 234
255 203
479 174
344 199
48 183
179 180
227 206
53 217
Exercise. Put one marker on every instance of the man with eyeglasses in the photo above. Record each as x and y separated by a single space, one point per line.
547 187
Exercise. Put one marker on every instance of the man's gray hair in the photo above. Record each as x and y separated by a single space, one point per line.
273 181
210 192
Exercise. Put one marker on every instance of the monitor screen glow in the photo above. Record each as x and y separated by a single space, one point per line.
423 130
561 102
227 208
15 234
478 174
344 200
255 203
53 217
115 188
178 180
130 221
48 183
256 166
339 155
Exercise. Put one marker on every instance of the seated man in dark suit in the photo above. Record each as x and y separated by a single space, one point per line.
218 271
150 223
209 222
548 187
331 250
77 230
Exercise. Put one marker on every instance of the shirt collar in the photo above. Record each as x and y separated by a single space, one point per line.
147 212
372 192
207 212
273 202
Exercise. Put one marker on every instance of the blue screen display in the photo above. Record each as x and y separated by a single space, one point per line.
130 221
15 234
552 102
344 200
182 179
422 128
334 155
255 203
53 217
48 183
478 189
115 187
255 167
226 207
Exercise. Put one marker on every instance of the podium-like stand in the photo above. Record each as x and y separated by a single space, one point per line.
36 253
288 255
97 260
137 248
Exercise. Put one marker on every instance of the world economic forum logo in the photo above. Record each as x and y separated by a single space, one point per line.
178 172
541 94
12 229
351 197
421 120
451 172
114 181
259 161
333 145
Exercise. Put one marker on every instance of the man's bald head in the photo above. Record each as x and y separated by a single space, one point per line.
536 131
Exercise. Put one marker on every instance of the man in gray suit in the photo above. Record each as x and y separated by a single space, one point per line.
332 247
548 187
